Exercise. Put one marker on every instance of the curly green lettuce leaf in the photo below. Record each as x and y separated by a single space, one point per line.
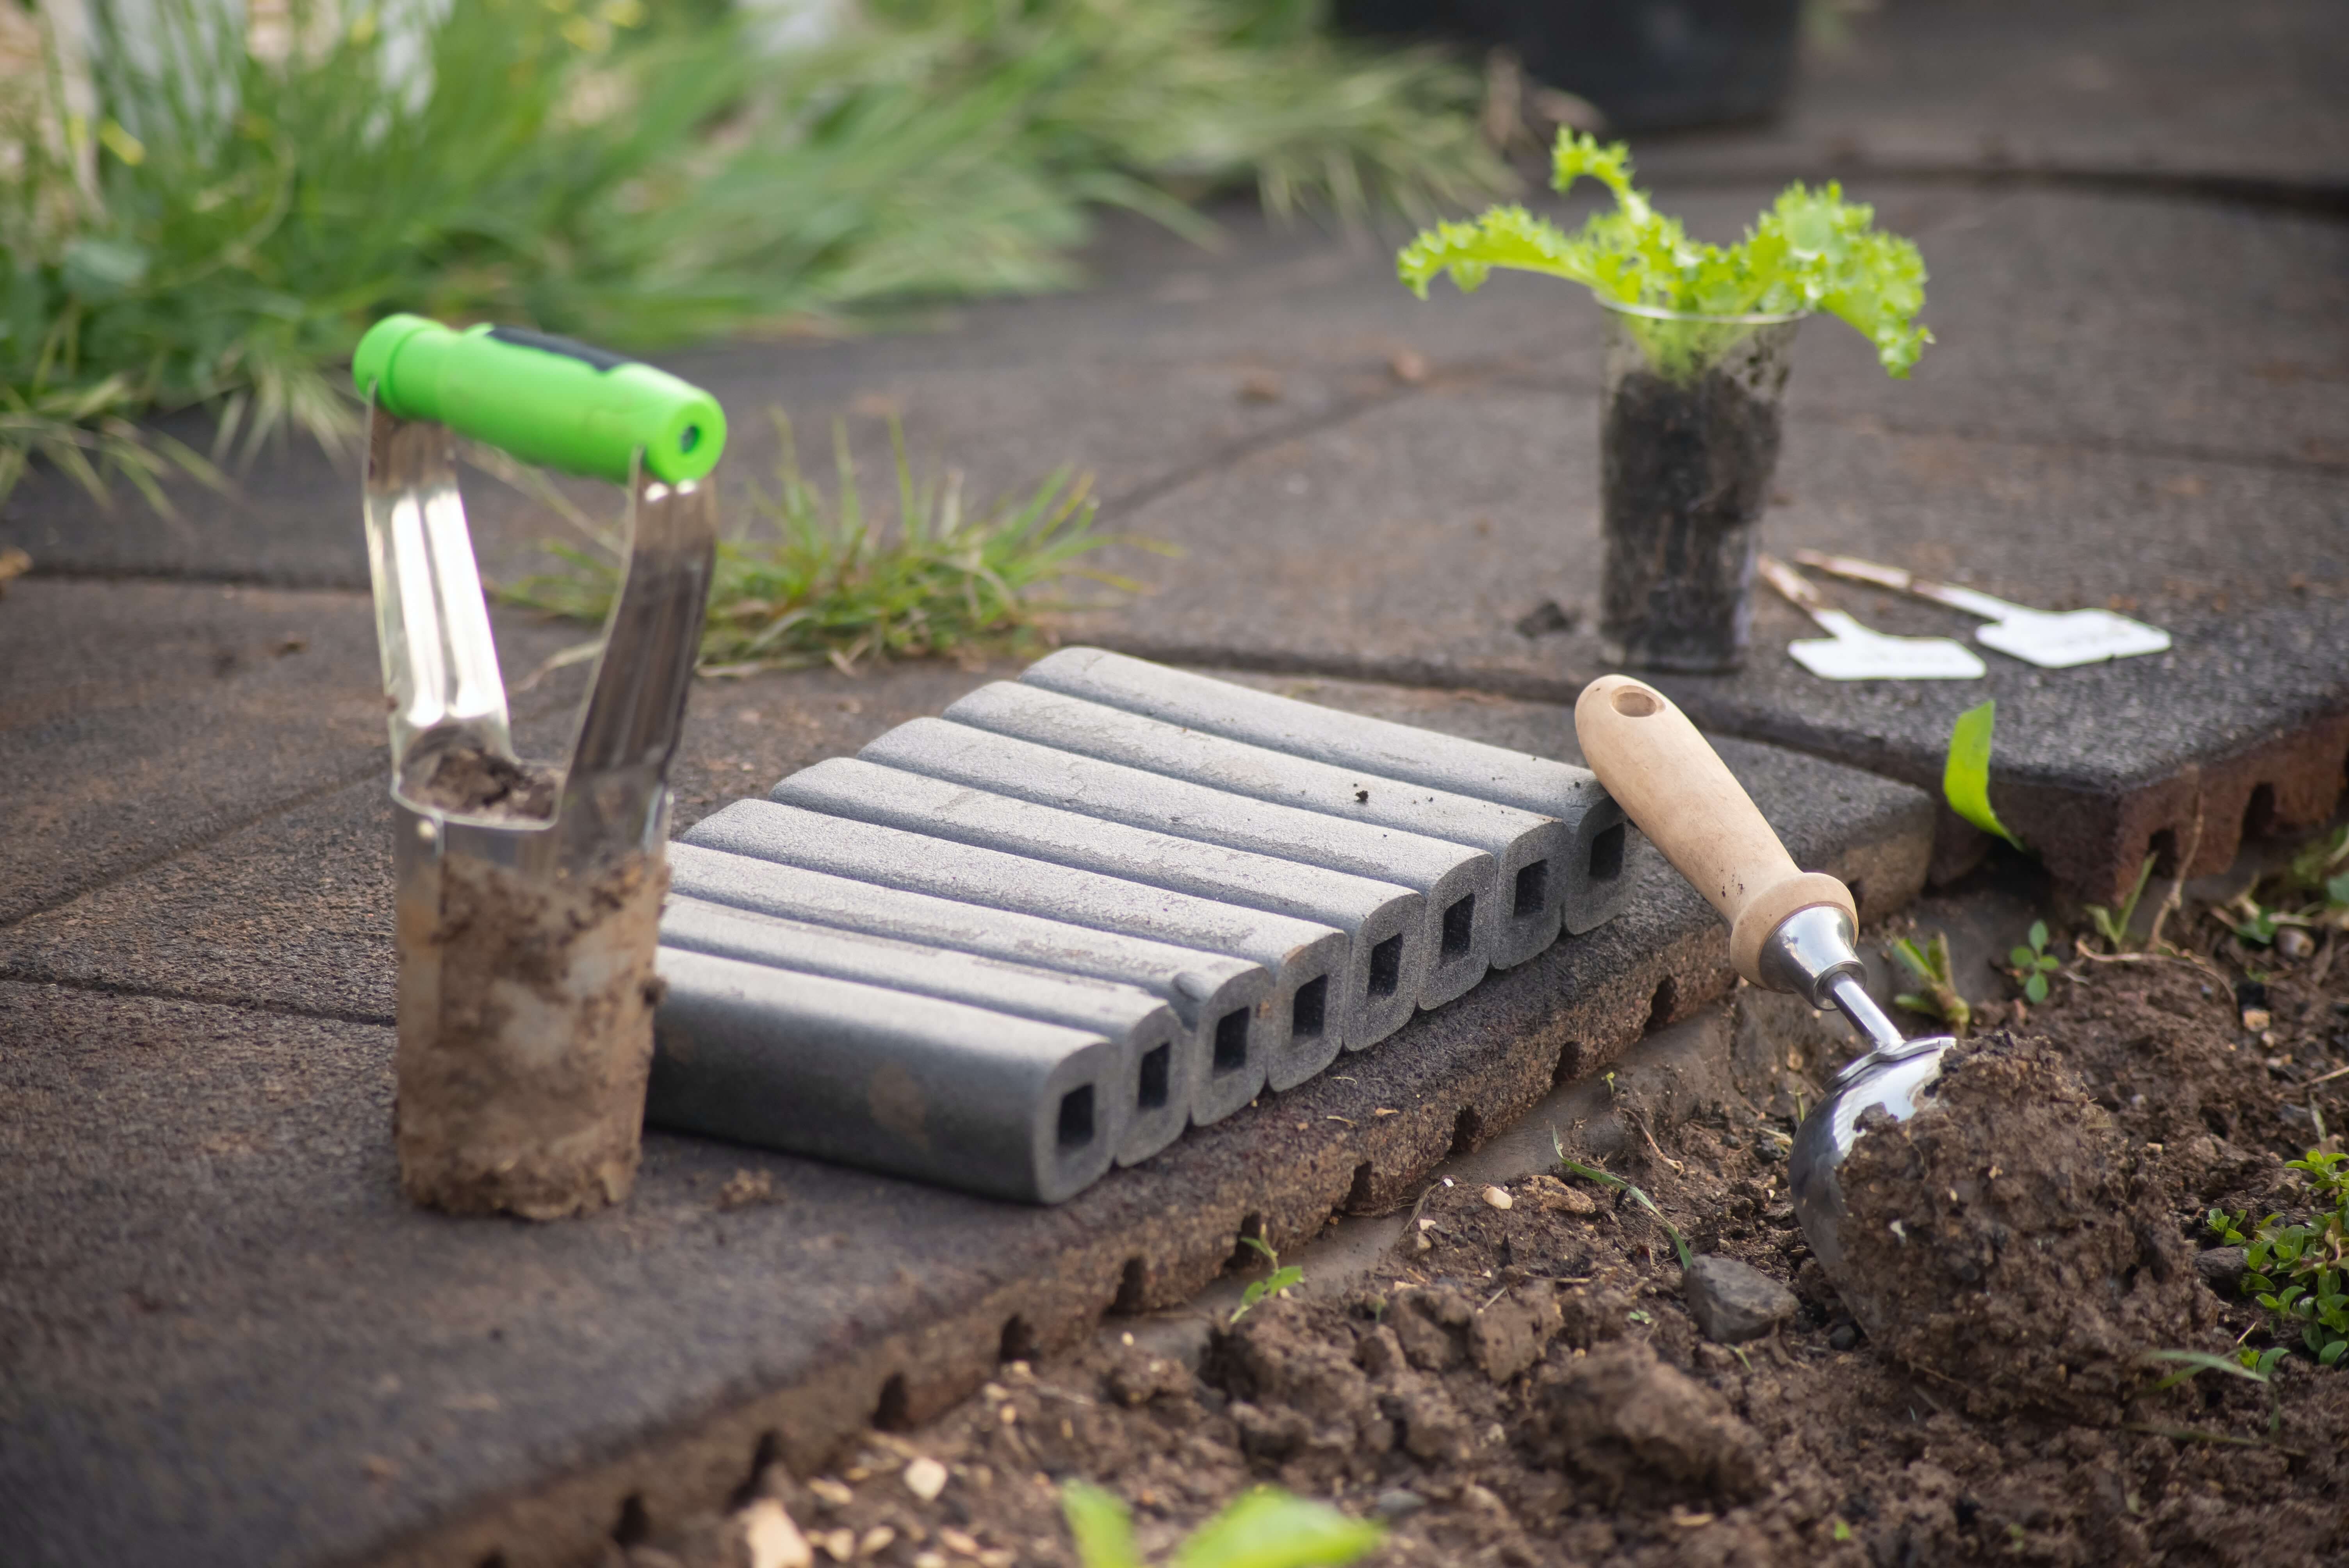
1811 251
1851 270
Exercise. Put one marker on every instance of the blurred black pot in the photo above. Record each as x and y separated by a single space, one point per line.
1649 65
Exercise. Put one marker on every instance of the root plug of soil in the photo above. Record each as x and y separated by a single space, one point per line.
467 781
1529 1388
525 1038
2007 1243
1685 474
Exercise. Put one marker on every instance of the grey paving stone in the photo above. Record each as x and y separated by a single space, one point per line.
289 904
2163 89
138 718
1411 543
224 1338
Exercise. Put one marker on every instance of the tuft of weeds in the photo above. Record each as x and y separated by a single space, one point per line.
197 217
2030 964
1939 999
1263 1528
2311 893
2113 924
1281 1279
2298 1271
84 433
1609 1179
2253 1367
828 579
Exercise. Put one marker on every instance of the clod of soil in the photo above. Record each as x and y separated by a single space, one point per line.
2014 1248
1684 476
467 781
1629 1422
526 1038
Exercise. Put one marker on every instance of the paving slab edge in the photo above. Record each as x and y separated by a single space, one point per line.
2206 808
1557 1020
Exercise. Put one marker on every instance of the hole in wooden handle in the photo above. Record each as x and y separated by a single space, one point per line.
1637 702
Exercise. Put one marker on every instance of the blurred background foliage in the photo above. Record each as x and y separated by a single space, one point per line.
204 201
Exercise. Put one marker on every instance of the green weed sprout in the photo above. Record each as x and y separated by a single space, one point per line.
1810 251
2031 963
2113 924
1965 771
1264 1528
1273 1283
2252 1366
1609 1179
2298 1272
1931 965
828 580
2324 865
2313 890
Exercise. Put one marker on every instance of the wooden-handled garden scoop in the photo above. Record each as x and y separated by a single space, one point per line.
529 899
1789 929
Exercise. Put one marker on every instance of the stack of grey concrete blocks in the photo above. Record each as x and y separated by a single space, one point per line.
1006 948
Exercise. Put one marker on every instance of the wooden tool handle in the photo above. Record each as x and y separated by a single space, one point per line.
1684 797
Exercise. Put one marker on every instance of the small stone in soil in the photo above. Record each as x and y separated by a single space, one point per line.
2221 1268
1843 1335
1397 1501
925 1477
1498 1197
1734 1302
1549 1195
770 1539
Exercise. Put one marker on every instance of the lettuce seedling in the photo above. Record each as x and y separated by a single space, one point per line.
1263 1528
1811 251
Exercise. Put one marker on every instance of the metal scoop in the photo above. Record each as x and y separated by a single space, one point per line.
528 907
1789 929
2051 639
1852 652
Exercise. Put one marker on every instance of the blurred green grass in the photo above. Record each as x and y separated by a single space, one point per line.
815 577
214 224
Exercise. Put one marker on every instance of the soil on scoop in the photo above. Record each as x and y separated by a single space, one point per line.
467 781
2011 1240
1685 471
525 1038
1526 1386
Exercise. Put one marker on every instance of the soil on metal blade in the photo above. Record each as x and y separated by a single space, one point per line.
1528 1387
2013 1238
521 1064
467 781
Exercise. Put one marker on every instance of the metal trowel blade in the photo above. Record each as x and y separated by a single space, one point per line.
1854 653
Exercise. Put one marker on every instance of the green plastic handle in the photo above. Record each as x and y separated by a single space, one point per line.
544 399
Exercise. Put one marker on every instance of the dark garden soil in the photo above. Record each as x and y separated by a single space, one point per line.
1527 1384
1685 469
